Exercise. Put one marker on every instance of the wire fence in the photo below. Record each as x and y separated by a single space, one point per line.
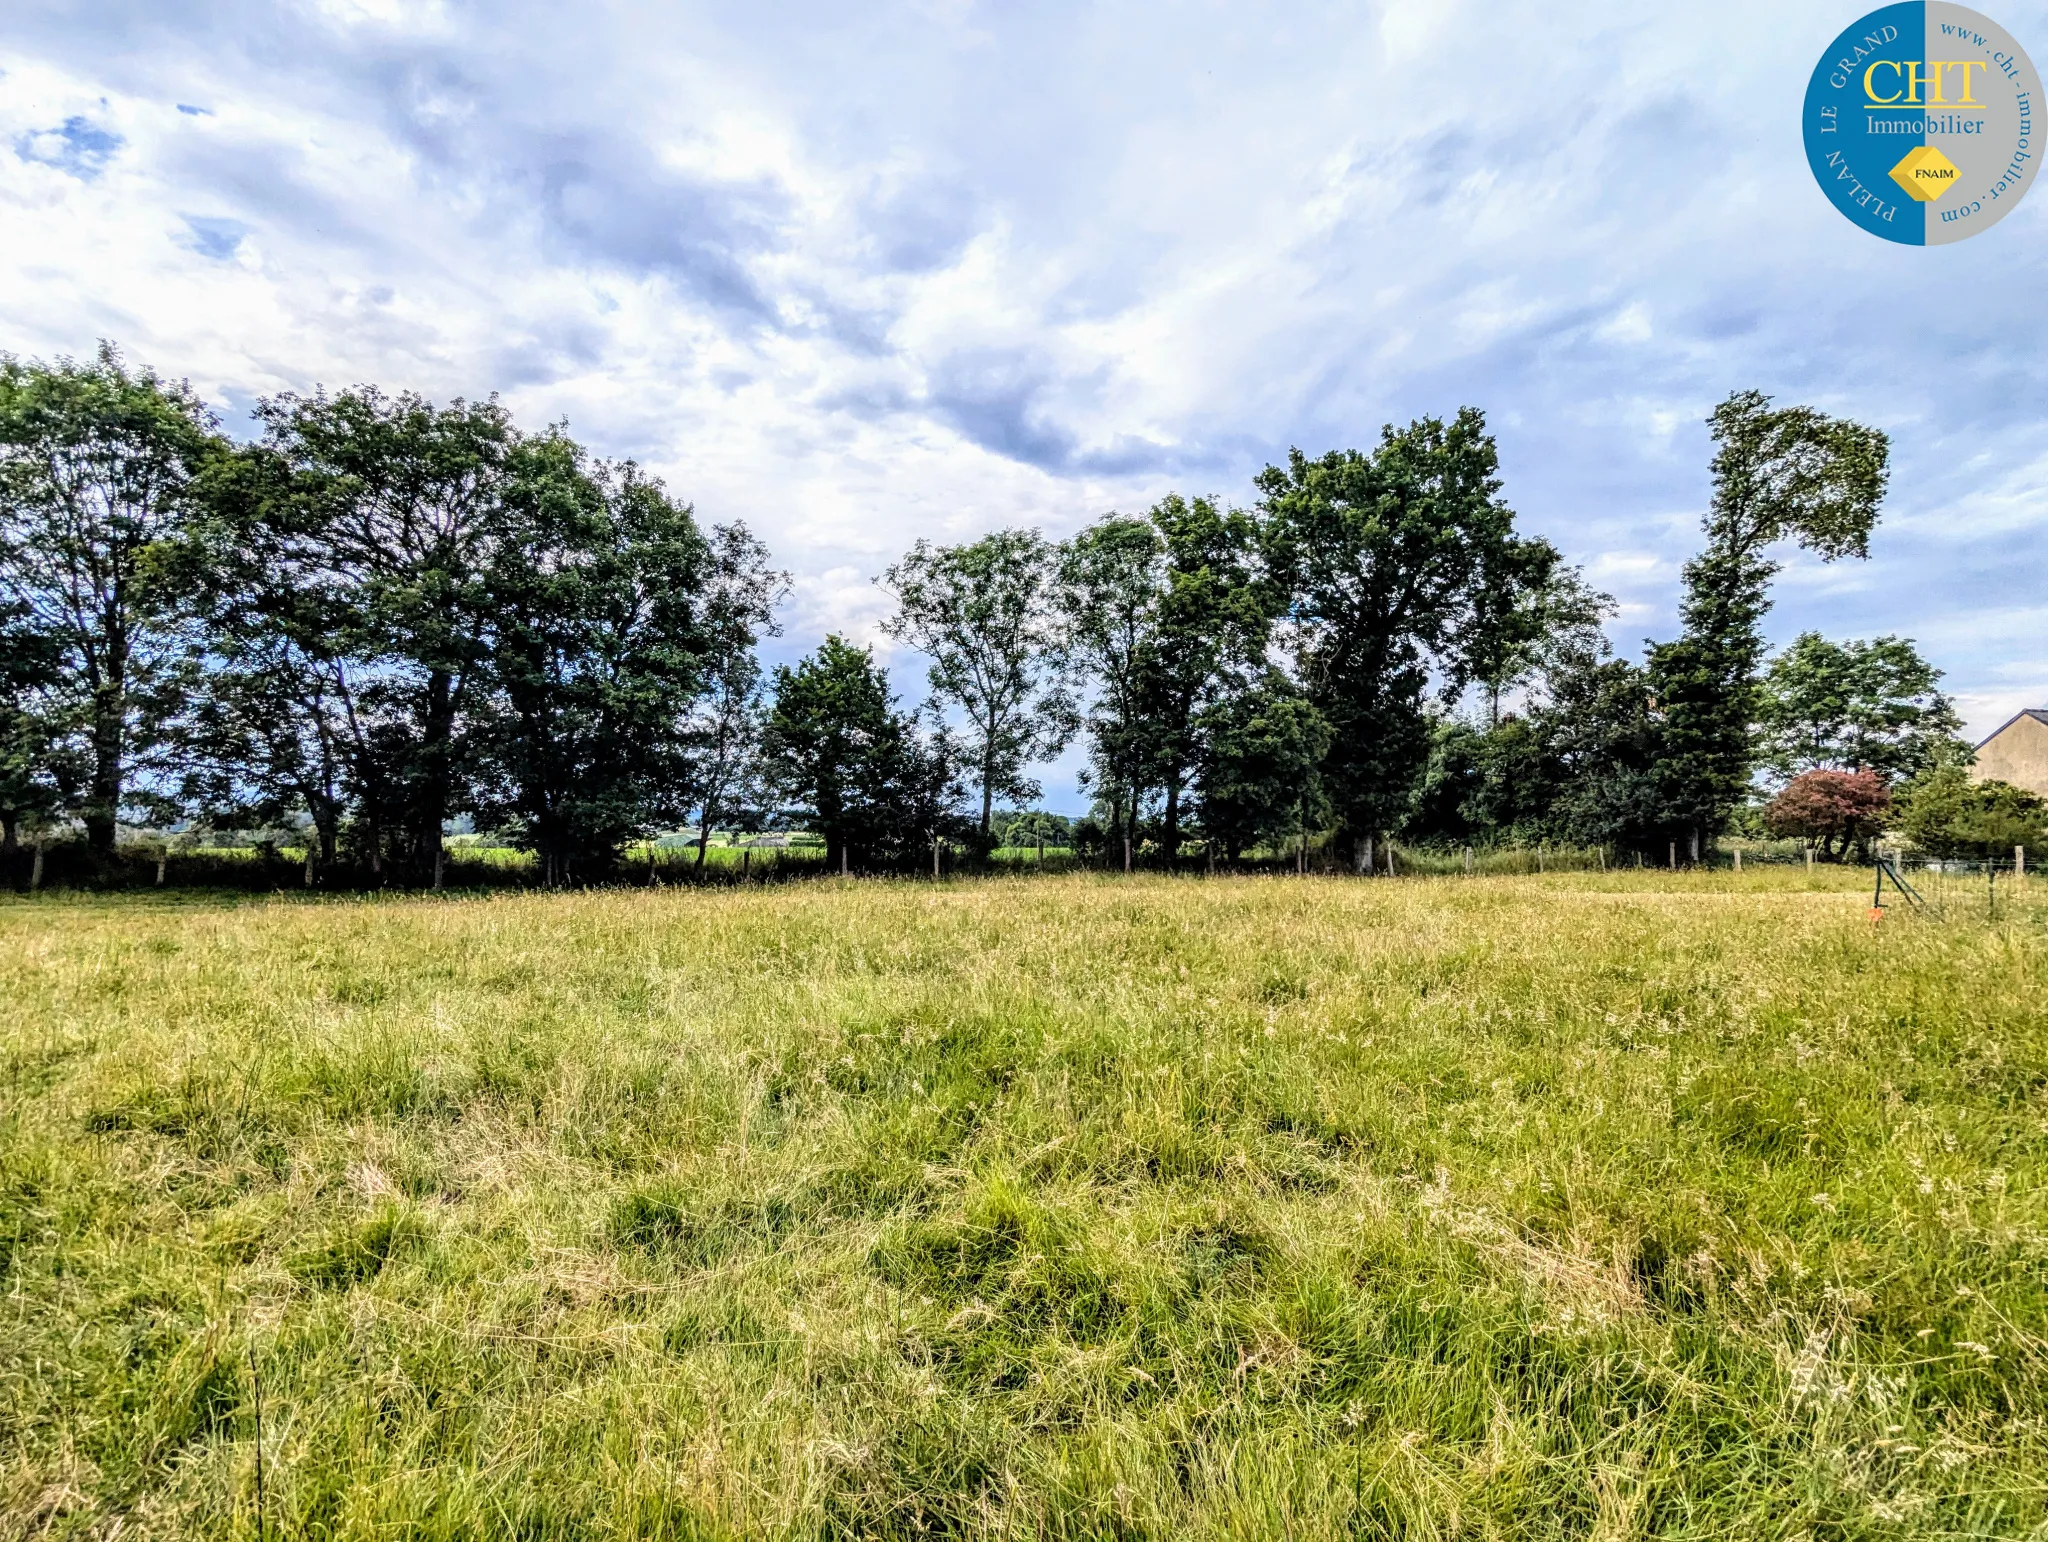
659 864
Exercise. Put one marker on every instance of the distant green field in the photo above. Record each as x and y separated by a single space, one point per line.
1566 1206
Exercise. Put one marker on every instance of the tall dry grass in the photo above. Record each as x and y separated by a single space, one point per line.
1575 1206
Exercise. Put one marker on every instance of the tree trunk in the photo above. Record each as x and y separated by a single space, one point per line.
1172 840
988 795
440 735
103 798
10 834
703 836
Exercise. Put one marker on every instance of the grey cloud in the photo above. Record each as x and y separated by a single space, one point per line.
992 397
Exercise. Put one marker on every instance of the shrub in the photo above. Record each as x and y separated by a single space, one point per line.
1947 815
1833 809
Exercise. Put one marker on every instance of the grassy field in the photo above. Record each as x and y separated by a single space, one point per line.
1573 1206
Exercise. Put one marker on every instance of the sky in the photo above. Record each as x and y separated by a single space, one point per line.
859 274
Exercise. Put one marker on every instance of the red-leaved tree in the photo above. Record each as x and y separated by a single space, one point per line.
1833 809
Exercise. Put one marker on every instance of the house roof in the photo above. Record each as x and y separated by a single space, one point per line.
2038 714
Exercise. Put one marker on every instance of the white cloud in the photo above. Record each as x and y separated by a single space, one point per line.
867 273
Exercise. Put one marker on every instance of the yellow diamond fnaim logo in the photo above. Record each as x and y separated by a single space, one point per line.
1925 173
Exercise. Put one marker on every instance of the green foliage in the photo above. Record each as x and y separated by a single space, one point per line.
859 772
364 531
983 612
1398 564
1497 784
388 614
1780 473
1110 585
1946 814
97 470
1260 772
1852 706
722 730
597 648
43 762
1027 827
1215 610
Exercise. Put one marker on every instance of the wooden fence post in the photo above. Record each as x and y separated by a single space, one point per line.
35 872
1738 859
1674 856
935 856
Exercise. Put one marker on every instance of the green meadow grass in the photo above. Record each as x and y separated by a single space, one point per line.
1574 1206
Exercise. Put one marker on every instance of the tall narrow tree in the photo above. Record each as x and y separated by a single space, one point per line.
1215 611
981 613
1111 583
723 730
97 463
1780 474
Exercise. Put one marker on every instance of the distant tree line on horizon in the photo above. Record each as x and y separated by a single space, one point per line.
380 615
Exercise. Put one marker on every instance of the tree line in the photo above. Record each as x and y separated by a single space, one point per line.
380 614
